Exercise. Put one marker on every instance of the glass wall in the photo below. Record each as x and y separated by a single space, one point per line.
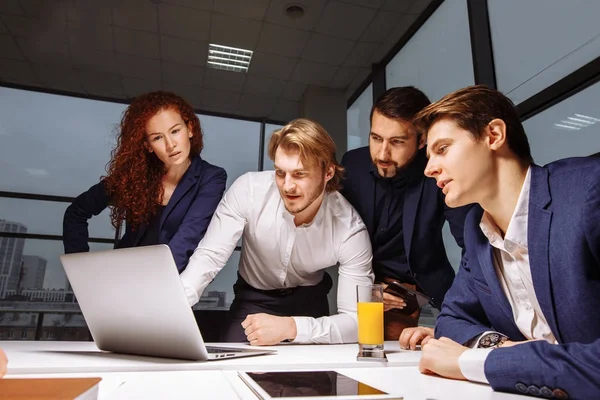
59 146
565 36
357 119
568 129
437 59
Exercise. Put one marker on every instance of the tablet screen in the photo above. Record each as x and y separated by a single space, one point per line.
310 384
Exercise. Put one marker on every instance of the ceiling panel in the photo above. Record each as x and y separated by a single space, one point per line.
343 77
381 26
183 51
345 20
282 40
255 106
419 6
327 50
183 73
224 80
44 8
11 7
206 5
361 55
313 73
45 51
3 28
244 35
312 12
365 3
96 36
86 12
285 111
94 60
9 49
17 71
184 22
58 77
273 66
294 90
138 67
137 43
191 93
262 86
37 28
399 6
254 9
102 84
220 99
134 87
136 14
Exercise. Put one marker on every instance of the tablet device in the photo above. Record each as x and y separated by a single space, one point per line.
414 300
309 385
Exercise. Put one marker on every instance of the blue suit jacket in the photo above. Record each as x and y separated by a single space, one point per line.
183 223
564 255
423 217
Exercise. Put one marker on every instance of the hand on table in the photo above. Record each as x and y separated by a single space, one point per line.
264 329
411 337
390 301
440 357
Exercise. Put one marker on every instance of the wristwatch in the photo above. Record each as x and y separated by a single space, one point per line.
491 340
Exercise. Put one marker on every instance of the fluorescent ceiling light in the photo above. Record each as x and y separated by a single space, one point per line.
577 122
228 58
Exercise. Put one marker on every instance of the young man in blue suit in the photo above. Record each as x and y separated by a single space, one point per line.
522 314
403 210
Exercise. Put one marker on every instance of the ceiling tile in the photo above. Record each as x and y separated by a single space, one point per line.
91 35
357 81
394 37
9 49
220 99
89 12
254 9
312 73
262 86
45 51
419 6
37 28
102 84
285 111
191 93
182 73
361 55
11 7
134 87
273 66
137 67
183 51
327 49
365 3
312 13
15 71
244 35
345 20
136 14
343 77
206 5
94 60
294 91
256 106
281 40
184 22
138 43
381 26
3 28
224 80
58 77
400 6
44 8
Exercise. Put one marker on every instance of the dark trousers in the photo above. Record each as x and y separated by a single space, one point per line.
301 301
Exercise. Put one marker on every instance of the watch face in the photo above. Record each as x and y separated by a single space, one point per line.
489 340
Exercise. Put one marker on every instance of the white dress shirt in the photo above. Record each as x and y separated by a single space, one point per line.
276 254
511 261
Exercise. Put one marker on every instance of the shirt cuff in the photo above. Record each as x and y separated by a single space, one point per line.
472 364
303 329
190 293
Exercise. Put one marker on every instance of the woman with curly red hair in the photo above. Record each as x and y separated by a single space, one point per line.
157 182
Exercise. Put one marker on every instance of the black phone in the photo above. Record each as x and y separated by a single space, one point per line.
414 300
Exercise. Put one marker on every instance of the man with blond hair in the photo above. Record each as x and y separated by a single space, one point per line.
294 225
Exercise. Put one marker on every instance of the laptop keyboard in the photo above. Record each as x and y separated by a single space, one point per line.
218 350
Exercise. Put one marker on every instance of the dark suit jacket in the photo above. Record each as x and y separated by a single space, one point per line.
564 256
183 223
423 217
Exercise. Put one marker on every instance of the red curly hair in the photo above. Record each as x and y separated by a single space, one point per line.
134 174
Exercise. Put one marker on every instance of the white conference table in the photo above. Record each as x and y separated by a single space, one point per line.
138 377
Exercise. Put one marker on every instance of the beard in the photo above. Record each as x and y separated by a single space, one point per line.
312 197
387 172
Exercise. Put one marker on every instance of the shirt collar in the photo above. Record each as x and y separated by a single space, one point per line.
517 227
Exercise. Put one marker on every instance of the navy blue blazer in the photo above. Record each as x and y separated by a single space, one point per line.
423 217
183 223
564 256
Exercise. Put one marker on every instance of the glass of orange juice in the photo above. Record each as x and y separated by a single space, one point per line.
370 321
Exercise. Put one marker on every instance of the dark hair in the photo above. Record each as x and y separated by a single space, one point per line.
472 109
400 103
134 175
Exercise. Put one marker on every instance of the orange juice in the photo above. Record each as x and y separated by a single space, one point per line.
370 322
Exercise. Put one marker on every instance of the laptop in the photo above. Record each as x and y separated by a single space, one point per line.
134 303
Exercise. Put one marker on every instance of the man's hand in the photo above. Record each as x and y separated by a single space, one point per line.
441 357
264 329
411 337
390 301
3 363
510 343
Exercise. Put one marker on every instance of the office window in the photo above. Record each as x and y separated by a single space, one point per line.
357 119
437 59
568 129
269 129
538 42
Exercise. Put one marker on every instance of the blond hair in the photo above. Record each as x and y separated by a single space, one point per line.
313 143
